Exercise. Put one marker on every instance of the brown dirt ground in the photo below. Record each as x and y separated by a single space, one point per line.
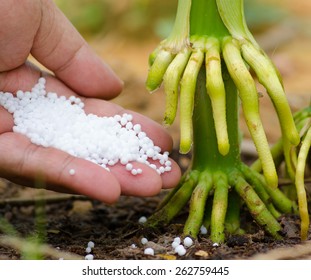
73 221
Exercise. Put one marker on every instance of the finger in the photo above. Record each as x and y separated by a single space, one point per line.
171 179
148 183
23 162
60 48
20 21
7 122
23 77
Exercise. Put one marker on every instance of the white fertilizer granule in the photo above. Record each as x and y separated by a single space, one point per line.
180 250
175 244
89 257
203 230
91 244
144 240
188 242
149 251
142 220
52 121
177 240
72 172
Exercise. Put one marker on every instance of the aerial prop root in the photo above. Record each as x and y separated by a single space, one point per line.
249 99
216 91
198 187
299 182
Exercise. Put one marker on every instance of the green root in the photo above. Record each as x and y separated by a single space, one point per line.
295 164
216 186
217 191
299 182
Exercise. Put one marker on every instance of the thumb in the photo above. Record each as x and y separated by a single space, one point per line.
60 48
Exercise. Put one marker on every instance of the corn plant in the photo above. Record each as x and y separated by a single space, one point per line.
204 65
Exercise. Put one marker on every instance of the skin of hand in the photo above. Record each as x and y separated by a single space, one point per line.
39 28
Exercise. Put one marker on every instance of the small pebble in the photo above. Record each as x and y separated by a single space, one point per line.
142 220
215 244
149 251
144 240
91 244
133 246
89 257
188 242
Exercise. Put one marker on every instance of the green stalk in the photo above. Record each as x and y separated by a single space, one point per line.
178 40
179 37
232 14
205 145
205 20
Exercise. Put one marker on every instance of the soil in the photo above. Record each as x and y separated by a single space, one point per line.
72 221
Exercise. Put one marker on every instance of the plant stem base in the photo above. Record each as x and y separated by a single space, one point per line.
215 186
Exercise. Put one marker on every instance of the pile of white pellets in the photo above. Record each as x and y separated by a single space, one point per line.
50 120
89 256
178 245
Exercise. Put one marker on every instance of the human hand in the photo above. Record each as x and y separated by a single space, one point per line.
40 29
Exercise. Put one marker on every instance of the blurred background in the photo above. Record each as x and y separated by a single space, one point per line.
125 32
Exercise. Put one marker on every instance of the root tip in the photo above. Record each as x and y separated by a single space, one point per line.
224 148
185 148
